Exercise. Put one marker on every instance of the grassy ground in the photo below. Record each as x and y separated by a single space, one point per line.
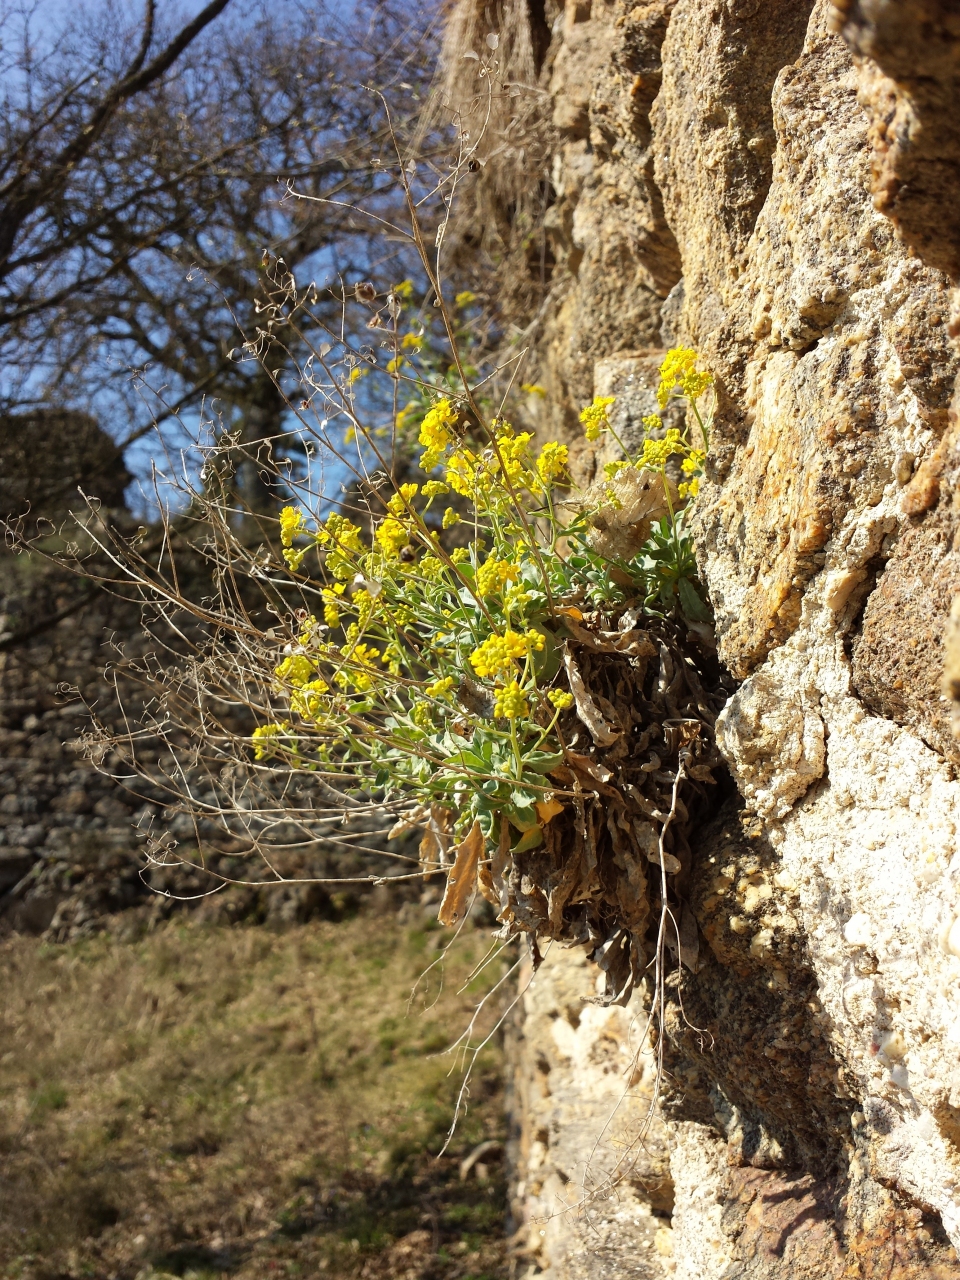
237 1102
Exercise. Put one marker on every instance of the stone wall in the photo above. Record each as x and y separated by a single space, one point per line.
775 182
75 833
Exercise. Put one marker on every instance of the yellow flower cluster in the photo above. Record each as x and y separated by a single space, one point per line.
433 488
436 433
441 688
498 653
431 568
331 601
679 371
292 524
392 536
511 702
359 674
264 737
512 448
307 700
495 574
295 670
594 416
692 465
466 474
552 461
560 699
342 539
422 716
656 452
399 504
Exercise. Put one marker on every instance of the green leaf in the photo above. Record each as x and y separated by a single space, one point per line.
546 663
486 815
523 799
543 761
693 607
523 817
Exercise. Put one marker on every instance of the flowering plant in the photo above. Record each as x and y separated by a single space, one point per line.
432 669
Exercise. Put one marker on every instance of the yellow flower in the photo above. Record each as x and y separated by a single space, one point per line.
678 370
357 372
308 699
395 364
594 416
308 631
560 699
693 461
399 504
440 688
690 488
533 389
404 289
450 518
513 451
364 603
511 702
342 539
464 298
436 433
295 670
462 473
460 554
495 574
431 568
341 533
291 524
263 738
331 602
656 452
294 556
552 461
392 537
434 488
421 716
516 598
359 674
411 341
498 653
652 422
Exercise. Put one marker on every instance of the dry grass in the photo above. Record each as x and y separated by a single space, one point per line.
211 1102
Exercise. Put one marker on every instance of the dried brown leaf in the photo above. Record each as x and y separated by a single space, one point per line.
461 877
587 709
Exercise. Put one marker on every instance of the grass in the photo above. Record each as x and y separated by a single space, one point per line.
236 1102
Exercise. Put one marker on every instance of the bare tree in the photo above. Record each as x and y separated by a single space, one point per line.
141 252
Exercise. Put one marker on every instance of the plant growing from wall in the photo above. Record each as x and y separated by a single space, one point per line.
441 667
456 644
